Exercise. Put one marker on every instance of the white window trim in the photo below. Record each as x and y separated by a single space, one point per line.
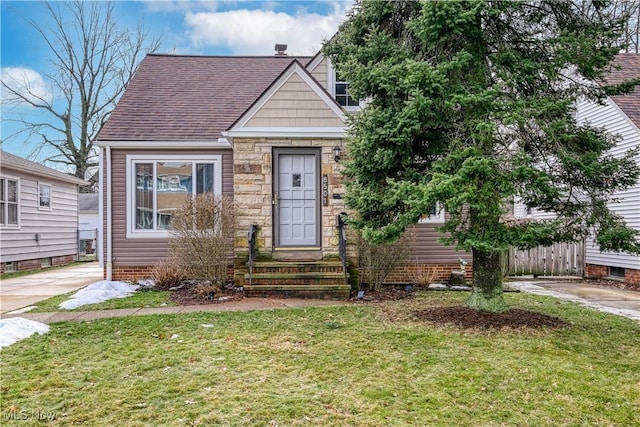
438 218
132 159
45 208
13 226
331 83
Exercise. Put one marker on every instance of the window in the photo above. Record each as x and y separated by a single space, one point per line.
342 93
8 202
44 196
159 184
434 215
9 267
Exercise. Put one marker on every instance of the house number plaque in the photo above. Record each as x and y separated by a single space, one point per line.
325 190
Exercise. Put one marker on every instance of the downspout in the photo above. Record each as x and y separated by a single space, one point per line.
109 225
100 236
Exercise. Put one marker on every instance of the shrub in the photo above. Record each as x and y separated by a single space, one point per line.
422 274
378 260
202 237
167 274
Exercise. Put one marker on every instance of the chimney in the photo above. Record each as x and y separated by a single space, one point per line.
281 50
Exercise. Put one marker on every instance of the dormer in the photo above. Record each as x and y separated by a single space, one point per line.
322 70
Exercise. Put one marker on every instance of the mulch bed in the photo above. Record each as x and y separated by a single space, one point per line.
187 296
468 318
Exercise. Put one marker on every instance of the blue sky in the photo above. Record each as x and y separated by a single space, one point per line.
187 27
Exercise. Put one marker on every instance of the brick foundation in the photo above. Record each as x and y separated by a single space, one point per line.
412 273
130 273
36 263
595 271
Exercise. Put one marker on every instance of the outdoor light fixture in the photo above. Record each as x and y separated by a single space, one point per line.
336 153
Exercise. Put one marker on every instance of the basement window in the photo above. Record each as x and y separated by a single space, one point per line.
9 267
616 272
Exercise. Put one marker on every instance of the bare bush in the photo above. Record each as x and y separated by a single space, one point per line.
378 260
422 274
202 237
167 274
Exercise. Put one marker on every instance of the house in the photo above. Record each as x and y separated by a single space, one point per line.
38 215
89 224
619 115
267 131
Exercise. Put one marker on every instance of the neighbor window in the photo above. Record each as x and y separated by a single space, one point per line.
44 196
161 183
434 214
8 202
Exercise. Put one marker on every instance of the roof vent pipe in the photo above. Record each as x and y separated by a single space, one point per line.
281 50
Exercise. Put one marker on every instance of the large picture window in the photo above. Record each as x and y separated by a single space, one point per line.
8 202
158 185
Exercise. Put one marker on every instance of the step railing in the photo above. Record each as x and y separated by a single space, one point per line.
341 220
252 248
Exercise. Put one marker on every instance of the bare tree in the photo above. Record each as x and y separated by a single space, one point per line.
92 60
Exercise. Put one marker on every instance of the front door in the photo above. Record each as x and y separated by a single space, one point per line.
296 189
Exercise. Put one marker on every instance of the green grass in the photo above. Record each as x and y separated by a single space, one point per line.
334 366
135 300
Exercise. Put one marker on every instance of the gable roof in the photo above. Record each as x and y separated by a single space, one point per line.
13 162
323 100
626 66
190 98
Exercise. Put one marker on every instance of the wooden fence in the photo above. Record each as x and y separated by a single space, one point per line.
561 259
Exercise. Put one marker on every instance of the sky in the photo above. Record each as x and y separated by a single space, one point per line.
187 27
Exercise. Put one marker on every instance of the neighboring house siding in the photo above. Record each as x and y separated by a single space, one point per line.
147 251
57 228
295 104
615 122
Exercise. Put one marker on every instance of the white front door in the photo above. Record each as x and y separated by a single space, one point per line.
297 205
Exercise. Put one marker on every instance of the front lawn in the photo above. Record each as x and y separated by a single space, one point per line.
360 365
135 300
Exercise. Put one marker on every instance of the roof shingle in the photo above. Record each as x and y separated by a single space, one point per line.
190 98
627 67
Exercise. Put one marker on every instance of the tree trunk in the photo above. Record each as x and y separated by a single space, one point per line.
487 283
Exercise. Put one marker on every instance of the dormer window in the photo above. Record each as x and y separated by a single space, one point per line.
342 93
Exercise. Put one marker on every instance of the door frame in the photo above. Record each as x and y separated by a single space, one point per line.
277 151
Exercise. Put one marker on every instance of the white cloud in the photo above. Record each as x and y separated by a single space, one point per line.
255 32
26 82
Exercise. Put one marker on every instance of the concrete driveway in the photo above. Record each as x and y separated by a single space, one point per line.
26 290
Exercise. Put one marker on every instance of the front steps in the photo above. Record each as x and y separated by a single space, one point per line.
299 279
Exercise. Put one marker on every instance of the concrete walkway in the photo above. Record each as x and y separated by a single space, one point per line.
245 304
603 298
27 290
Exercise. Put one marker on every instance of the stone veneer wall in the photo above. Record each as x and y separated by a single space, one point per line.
253 192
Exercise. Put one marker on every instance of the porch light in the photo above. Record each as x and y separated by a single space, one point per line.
336 153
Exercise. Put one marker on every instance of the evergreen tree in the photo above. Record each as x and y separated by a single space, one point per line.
470 104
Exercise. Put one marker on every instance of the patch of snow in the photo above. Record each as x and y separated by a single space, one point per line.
16 328
23 310
98 292
437 286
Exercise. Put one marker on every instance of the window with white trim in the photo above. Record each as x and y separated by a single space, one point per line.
44 197
435 215
9 211
343 97
159 184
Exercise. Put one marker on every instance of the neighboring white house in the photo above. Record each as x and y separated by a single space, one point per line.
89 224
620 115
38 215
